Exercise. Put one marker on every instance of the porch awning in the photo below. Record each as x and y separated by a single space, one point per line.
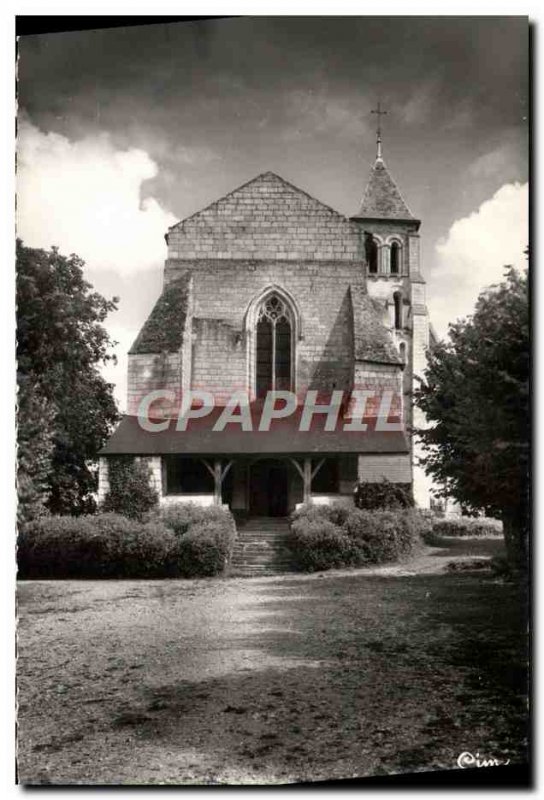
283 438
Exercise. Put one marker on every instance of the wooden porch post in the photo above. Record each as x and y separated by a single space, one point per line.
306 474
217 481
218 476
307 480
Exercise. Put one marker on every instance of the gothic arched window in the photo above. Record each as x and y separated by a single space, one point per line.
395 258
274 346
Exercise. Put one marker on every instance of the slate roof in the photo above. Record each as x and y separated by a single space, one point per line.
283 438
382 198
372 341
163 329
264 177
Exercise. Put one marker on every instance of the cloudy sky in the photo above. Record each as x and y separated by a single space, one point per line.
124 131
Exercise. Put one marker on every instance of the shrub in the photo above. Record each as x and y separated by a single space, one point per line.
467 526
381 536
129 492
180 517
337 513
318 544
98 546
205 538
384 495
136 549
364 537
205 549
423 520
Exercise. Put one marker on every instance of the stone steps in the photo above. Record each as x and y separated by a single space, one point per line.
260 548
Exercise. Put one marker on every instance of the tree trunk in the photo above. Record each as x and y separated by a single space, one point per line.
516 539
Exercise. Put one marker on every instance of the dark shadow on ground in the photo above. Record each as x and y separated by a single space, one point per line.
468 546
420 670
356 675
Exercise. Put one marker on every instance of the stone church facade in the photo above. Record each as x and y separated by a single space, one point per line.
269 289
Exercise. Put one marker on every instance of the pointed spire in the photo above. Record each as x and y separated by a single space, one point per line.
380 113
382 198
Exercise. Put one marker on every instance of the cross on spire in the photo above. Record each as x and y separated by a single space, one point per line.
379 111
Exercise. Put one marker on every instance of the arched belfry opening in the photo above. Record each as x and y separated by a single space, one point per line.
273 328
395 258
371 253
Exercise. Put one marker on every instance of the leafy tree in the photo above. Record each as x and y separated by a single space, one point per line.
61 344
475 395
34 450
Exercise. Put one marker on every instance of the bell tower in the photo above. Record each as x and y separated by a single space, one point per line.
390 238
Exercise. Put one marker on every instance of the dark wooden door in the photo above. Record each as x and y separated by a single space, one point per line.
277 491
258 490
268 489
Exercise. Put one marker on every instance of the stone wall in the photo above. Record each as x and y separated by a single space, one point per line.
420 343
223 291
374 468
149 372
381 378
266 218
103 480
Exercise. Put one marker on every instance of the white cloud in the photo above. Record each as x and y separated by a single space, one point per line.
475 251
497 163
117 373
85 197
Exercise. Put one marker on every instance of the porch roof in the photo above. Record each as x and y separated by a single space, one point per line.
283 438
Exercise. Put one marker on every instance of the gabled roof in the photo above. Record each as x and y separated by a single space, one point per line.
163 329
382 198
372 340
268 178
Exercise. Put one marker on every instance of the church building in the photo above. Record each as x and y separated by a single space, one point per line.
269 289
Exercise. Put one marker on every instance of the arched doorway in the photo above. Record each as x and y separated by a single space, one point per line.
268 488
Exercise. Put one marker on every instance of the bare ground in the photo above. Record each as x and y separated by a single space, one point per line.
271 680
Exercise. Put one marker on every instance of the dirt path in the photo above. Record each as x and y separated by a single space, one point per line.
270 680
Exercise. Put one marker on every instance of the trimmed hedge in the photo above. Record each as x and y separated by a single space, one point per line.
467 526
113 546
205 549
179 517
380 536
361 538
319 544
337 513
205 537
95 546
